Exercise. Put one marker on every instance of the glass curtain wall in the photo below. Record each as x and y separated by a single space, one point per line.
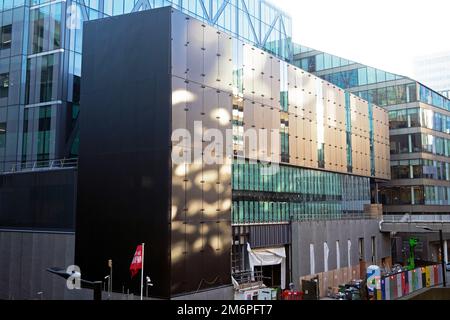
293 193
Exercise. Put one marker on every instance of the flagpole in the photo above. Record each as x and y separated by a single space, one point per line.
142 273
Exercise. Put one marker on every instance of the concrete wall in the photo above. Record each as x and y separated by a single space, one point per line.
318 232
427 249
24 258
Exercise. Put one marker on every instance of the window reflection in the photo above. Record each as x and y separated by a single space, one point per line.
399 144
420 169
4 85
5 36
2 135
418 195
294 193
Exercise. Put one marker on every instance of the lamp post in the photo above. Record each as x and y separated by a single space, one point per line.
441 242
105 281
110 266
149 284
95 285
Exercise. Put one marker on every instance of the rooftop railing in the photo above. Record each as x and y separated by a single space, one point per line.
41 165
425 218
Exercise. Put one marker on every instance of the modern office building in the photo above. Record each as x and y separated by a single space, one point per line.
323 156
41 56
419 120
434 71
304 199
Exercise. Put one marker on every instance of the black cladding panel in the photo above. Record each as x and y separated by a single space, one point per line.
124 170
39 200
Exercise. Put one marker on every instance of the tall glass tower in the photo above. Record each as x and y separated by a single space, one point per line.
40 64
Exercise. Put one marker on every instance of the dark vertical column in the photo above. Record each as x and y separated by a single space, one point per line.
125 129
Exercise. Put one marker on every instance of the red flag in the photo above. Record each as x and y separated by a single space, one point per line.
136 264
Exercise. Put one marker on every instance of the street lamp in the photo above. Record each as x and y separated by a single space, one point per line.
149 284
105 281
95 285
441 241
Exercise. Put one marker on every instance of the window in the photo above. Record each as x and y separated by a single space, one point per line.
427 118
319 62
397 196
326 252
418 195
47 78
417 169
400 93
371 75
361 249
382 97
43 152
312 263
414 118
381 76
374 254
411 92
390 76
2 134
362 76
400 171
338 255
48 19
391 96
335 62
6 37
400 144
439 146
4 85
437 122
398 119
426 145
349 251
327 61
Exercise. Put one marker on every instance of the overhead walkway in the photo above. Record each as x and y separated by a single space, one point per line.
414 223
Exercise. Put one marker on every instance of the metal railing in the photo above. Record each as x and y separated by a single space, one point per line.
311 217
247 279
41 165
424 218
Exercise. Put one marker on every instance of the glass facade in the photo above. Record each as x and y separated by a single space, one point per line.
433 98
417 195
357 76
420 142
389 90
391 95
306 115
420 169
41 54
295 194
419 117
